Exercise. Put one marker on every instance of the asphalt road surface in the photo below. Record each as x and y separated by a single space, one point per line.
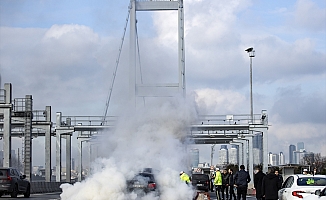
213 196
56 196
47 196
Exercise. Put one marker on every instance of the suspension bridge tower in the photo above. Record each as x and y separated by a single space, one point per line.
138 89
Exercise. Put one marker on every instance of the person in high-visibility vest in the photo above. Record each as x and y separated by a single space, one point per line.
184 177
310 181
218 183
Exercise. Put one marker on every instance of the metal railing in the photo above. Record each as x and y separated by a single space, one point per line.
231 119
88 120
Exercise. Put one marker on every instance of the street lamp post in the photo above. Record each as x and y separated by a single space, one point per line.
251 52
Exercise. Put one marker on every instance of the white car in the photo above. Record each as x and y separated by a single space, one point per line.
319 195
298 186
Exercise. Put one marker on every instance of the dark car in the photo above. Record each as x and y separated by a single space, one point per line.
13 182
200 181
142 184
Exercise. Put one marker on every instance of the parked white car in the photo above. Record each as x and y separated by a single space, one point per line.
298 186
319 195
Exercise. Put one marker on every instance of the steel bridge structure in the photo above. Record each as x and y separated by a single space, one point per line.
19 119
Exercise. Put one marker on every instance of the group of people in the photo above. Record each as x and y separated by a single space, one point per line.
226 182
267 186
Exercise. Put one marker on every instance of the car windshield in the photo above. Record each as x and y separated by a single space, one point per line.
311 181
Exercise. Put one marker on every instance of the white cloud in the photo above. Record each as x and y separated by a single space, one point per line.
309 16
218 102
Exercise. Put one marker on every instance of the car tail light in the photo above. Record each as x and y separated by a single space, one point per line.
297 194
151 185
9 178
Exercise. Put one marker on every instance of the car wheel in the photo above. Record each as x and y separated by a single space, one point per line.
28 192
14 192
1 193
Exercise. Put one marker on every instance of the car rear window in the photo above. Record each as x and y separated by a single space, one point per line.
311 181
3 172
202 177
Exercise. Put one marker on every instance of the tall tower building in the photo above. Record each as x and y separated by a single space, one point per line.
281 159
223 155
257 154
300 146
273 159
270 158
194 157
292 149
234 155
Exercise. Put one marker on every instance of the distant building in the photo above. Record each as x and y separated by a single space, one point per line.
281 159
234 154
257 154
274 159
270 158
194 157
223 155
292 149
300 146
257 141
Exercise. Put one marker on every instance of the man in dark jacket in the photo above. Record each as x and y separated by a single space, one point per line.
225 184
271 185
231 184
258 180
242 178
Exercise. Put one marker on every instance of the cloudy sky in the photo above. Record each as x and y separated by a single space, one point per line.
63 53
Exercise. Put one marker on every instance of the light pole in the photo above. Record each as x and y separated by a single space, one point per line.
212 153
251 52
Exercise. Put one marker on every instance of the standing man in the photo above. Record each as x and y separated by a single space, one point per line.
280 178
231 184
258 180
242 178
271 185
218 183
225 184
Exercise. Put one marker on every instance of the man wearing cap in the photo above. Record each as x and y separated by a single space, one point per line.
184 177
218 183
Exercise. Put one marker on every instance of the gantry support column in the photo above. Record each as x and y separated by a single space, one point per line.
251 161
6 109
265 151
48 171
60 130
68 158
28 136
80 155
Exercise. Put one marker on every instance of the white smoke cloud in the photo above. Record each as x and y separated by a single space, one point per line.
151 137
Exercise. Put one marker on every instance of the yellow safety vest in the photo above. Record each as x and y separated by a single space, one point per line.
185 177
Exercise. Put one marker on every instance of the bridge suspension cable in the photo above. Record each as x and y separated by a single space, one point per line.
116 67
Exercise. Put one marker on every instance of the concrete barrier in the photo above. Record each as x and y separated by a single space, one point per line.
45 187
